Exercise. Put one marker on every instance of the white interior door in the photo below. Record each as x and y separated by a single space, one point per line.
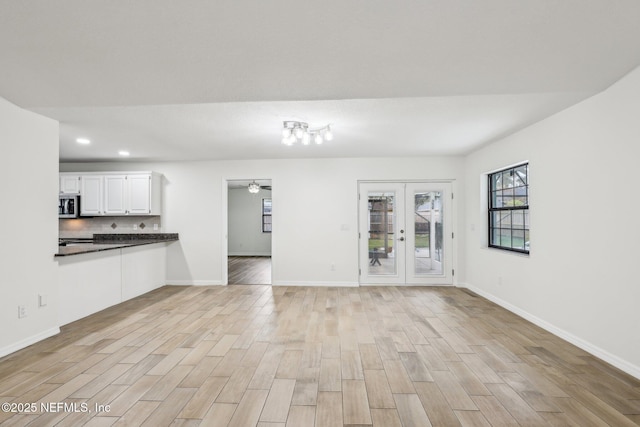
405 235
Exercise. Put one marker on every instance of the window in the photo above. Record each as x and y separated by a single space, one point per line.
509 209
266 215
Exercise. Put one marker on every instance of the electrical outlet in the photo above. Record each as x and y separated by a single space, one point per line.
155 227
22 311
135 226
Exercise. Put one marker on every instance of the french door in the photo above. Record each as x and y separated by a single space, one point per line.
405 233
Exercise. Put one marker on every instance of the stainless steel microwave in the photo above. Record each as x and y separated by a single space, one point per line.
68 206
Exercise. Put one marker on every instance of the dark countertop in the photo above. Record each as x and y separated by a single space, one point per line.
105 242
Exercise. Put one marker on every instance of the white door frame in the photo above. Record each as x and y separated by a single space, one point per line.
224 250
404 259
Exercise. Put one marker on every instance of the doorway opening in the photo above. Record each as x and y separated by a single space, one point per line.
249 216
405 233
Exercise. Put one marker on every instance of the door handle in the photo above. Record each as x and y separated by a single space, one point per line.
401 239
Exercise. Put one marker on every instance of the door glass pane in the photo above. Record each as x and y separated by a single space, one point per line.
428 232
382 260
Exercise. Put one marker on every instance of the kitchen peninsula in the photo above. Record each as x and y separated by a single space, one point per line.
108 269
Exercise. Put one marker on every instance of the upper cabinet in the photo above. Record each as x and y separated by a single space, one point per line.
91 190
114 194
69 183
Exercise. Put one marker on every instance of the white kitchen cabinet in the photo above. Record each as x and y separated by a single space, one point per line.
69 184
88 283
140 194
115 194
91 195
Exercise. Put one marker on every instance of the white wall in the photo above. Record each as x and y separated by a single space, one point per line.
305 241
245 223
581 279
28 226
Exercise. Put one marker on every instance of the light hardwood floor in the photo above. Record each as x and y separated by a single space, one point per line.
249 270
288 356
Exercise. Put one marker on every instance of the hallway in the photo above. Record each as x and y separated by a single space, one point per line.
249 270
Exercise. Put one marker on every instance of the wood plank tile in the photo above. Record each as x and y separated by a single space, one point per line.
454 392
330 378
219 415
329 409
236 386
435 405
290 364
370 357
301 416
203 398
516 406
415 368
411 411
305 393
164 387
170 407
277 405
467 379
493 411
397 376
472 419
248 411
385 418
351 365
137 414
378 389
223 345
131 395
355 402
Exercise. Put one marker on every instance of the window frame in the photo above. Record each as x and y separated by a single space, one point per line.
265 215
491 209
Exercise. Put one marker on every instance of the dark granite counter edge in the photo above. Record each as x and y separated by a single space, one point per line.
108 238
107 246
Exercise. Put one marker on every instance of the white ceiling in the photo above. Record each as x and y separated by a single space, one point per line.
201 79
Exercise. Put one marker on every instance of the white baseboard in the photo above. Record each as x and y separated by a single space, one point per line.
249 254
612 359
316 284
194 282
405 285
28 341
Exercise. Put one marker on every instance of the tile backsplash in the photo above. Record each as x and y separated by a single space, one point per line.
87 227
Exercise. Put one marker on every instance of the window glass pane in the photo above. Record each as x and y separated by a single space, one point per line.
496 181
382 260
507 198
266 223
517 219
497 203
495 236
507 179
505 237
495 219
521 173
505 219
518 239
266 206
526 219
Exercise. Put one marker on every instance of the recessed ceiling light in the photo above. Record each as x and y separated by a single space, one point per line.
83 141
123 153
